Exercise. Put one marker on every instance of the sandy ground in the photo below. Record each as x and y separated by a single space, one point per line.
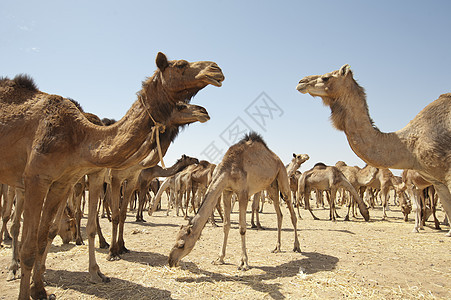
356 259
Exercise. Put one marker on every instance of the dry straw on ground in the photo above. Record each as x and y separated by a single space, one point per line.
355 260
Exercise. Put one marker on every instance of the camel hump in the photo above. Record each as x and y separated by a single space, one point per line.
320 165
253 137
23 81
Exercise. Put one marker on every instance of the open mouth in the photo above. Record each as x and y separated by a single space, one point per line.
213 81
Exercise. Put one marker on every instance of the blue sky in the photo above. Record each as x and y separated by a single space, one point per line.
98 53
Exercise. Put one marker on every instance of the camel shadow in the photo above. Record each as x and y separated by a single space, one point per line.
312 263
62 248
116 289
146 258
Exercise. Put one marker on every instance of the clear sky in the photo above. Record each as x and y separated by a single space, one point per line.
98 53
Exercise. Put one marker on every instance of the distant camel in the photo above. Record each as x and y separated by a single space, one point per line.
327 178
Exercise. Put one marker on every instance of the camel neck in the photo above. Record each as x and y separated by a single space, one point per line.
292 167
127 141
382 150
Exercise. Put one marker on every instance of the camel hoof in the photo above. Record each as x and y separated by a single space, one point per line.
13 275
276 250
104 245
79 242
113 257
243 267
218 262
346 218
448 234
415 230
315 218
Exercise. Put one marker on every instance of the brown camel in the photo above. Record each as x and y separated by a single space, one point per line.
357 177
424 144
127 178
48 144
416 187
200 179
330 179
247 167
147 175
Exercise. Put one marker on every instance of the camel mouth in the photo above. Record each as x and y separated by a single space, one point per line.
203 118
212 81
302 88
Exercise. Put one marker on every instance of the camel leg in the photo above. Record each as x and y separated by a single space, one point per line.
35 191
6 213
433 198
102 241
273 194
142 198
255 208
15 229
115 216
416 208
128 194
52 204
444 193
227 200
95 186
243 198
284 188
78 216
307 203
384 199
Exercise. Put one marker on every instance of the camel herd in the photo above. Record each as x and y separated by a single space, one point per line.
52 151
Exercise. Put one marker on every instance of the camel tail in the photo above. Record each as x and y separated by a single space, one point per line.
164 186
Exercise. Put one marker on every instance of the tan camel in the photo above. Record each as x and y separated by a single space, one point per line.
47 145
416 186
424 144
247 167
357 177
296 162
147 175
292 172
200 179
327 178
384 182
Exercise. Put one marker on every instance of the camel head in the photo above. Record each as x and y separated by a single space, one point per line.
67 229
300 158
338 90
329 85
181 76
185 241
188 113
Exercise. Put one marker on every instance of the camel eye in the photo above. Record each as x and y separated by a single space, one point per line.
325 79
182 64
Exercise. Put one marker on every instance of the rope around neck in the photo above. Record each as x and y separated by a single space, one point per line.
159 127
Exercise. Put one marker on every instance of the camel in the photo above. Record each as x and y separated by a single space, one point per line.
327 178
416 186
424 144
127 177
47 145
200 179
292 172
357 177
247 167
383 181
147 175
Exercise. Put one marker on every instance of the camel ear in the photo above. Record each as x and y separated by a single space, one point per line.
183 156
161 61
294 155
345 70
